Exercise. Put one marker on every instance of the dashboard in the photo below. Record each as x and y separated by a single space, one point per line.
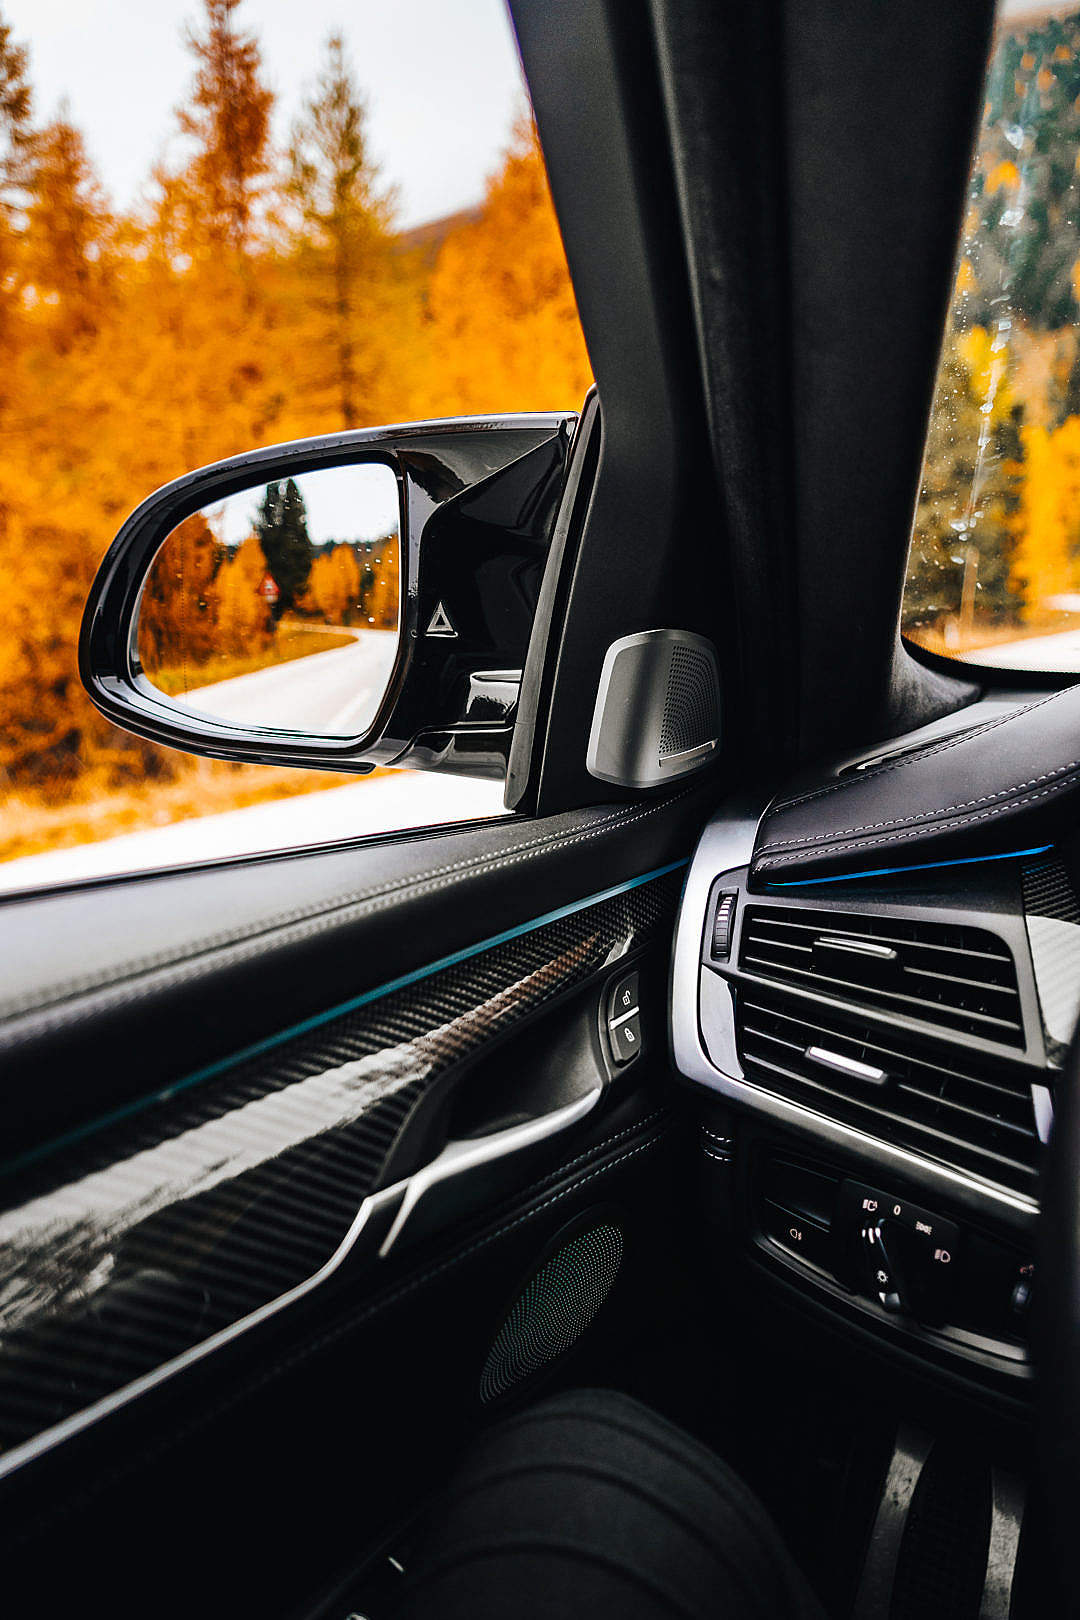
876 1056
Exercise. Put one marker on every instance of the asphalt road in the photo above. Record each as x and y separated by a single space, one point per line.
1057 652
329 694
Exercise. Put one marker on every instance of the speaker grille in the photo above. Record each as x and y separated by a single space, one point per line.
690 717
554 1308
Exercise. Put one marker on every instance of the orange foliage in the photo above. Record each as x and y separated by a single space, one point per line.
506 330
1046 560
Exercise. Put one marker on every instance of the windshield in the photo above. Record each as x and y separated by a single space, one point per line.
994 568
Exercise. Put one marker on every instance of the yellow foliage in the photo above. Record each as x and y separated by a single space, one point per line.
1046 561
334 587
505 329
1002 174
242 611
987 366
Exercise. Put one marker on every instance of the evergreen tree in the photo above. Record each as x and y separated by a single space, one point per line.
229 118
281 527
346 251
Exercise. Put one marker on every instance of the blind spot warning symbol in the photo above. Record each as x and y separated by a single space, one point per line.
440 624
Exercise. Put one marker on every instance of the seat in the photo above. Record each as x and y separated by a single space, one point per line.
589 1504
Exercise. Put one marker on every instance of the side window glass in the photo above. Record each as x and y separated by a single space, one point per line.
280 230
994 569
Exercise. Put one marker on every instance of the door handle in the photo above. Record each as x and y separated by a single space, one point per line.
468 1152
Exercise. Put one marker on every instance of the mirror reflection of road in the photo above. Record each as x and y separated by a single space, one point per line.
330 694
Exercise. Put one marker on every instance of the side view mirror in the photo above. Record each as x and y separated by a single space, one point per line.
360 599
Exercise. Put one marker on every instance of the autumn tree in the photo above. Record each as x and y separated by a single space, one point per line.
242 614
228 118
16 106
281 526
506 333
380 585
964 521
344 242
69 229
178 606
334 591
359 296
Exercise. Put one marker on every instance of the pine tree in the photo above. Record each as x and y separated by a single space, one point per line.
281 526
345 250
229 118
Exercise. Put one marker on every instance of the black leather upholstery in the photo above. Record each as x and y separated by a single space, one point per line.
591 1506
1009 784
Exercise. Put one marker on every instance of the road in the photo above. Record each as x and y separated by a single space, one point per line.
329 694
384 804
1057 652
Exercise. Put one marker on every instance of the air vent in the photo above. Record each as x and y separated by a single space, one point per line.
962 1107
942 973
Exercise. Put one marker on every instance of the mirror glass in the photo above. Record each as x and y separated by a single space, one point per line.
279 606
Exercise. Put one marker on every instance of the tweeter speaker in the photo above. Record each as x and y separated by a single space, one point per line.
657 711
554 1308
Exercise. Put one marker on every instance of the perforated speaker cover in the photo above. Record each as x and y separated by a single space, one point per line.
554 1308
657 712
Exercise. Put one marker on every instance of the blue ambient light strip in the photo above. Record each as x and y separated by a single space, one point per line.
902 871
212 1070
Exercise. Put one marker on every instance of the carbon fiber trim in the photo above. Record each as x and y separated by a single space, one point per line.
129 1247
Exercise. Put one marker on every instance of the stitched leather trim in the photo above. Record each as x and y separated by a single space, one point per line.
861 844
237 946
926 817
916 757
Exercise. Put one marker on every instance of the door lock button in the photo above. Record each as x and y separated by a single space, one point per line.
624 1020
626 1039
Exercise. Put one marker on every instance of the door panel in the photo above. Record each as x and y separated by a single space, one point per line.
213 1140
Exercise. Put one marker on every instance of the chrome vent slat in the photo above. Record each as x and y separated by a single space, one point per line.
884 938
873 1049
970 1109
990 1161
872 997
975 984
951 975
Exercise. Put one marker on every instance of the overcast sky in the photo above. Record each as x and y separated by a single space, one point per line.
343 503
442 80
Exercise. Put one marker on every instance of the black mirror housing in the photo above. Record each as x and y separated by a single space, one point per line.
477 498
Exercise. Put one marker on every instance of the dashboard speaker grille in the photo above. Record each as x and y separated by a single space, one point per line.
690 718
554 1308
961 1107
961 978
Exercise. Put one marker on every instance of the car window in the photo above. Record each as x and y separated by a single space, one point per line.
227 223
994 569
